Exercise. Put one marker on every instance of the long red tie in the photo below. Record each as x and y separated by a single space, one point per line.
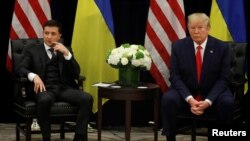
198 62
198 68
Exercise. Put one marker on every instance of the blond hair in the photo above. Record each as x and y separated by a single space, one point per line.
199 16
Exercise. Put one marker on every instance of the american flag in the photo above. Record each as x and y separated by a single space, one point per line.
28 18
165 24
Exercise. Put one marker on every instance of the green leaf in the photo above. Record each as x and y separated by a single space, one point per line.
126 45
141 47
139 55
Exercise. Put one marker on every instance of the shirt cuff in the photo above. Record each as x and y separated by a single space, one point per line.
188 98
68 57
208 101
31 76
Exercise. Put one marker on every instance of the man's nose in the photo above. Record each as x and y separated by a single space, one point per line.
49 35
196 30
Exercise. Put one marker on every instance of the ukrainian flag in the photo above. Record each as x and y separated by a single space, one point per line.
227 19
93 37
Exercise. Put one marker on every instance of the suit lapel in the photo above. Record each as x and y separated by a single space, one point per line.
42 57
42 54
209 51
191 58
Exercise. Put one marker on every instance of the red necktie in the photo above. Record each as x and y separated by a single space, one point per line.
198 62
198 68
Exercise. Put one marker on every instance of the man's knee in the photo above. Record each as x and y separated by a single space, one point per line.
86 99
44 100
171 97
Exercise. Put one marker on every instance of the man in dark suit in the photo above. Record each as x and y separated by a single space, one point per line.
53 69
198 89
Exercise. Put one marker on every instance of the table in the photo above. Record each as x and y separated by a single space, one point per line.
147 91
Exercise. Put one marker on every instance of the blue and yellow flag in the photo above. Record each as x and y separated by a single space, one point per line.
227 19
93 37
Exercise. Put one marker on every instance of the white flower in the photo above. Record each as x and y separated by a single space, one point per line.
124 61
134 56
136 63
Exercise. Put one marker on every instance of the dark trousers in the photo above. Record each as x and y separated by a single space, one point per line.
172 103
73 96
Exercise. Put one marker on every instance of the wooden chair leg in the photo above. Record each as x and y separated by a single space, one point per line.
17 131
194 131
62 129
28 129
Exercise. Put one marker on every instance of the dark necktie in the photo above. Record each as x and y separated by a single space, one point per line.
198 69
52 53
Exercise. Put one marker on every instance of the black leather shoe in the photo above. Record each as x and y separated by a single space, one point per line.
79 137
171 138
46 139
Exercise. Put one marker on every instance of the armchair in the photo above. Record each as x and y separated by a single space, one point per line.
237 82
25 106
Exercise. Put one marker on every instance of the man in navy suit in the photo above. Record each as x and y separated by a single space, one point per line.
52 68
198 93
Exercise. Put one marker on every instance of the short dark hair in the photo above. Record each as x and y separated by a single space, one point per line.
53 23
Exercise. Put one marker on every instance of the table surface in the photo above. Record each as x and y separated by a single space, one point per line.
142 92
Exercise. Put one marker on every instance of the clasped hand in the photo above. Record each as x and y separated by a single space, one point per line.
198 107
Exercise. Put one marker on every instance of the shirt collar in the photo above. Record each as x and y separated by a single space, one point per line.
46 46
203 45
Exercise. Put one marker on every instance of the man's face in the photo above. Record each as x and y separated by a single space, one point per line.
198 30
50 35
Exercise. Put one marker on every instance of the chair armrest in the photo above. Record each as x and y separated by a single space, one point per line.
238 83
238 90
21 80
79 81
20 87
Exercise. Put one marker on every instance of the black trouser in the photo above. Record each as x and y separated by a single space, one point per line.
73 96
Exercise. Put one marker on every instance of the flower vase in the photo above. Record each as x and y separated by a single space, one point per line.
129 77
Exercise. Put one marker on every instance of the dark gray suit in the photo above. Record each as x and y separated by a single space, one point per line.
213 82
36 60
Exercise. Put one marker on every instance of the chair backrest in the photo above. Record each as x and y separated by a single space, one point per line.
17 48
238 61
238 68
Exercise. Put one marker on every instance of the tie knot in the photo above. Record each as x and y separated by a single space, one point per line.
199 47
52 53
51 50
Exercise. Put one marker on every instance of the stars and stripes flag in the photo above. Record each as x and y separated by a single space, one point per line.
165 24
28 18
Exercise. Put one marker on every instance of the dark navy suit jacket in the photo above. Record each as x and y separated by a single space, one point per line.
215 68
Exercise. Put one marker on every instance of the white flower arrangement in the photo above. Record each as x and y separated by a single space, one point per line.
133 56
